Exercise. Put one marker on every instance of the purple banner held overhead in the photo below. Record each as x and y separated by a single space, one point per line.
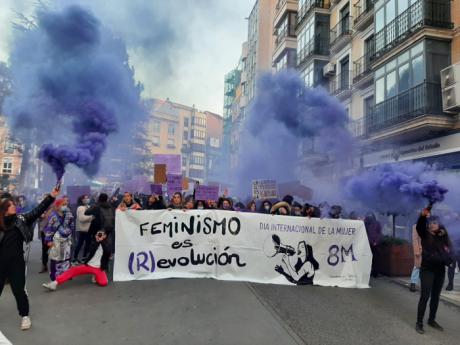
73 192
174 184
156 189
207 193
173 163
139 185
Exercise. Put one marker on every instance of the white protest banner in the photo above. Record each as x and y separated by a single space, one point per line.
241 246
264 189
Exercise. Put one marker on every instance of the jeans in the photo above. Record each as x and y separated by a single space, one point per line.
15 271
83 238
451 270
415 276
431 286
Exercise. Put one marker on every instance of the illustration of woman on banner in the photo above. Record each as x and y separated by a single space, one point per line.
298 267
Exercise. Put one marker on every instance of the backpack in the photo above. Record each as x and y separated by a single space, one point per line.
107 219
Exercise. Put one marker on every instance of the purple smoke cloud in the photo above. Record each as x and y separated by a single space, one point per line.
72 85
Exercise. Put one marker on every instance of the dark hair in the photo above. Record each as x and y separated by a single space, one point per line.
200 202
4 205
249 205
103 197
80 200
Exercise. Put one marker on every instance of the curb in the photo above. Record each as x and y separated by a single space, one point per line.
402 283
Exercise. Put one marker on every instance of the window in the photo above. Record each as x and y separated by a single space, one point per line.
184 161
368 103
307 75
171 129
185 135
7 166
197 160
400 74
186 121
198 134
306 39
9 147
156 141
214 142
171 143
156 126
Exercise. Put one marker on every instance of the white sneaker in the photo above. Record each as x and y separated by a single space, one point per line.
26 323
51 285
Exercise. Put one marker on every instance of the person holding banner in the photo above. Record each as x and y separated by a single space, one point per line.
15 229
176 202
200 205
251 207
128 203
96 264
281 208
155 202
266 207
189 203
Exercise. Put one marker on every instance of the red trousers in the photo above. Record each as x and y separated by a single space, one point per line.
101 277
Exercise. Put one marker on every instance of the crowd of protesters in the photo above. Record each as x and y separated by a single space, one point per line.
80 239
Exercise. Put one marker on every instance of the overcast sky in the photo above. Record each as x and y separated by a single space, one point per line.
180 49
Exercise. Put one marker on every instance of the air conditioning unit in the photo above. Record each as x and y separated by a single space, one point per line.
450 75
451 98
329 70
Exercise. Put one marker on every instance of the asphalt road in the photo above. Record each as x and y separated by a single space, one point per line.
204 311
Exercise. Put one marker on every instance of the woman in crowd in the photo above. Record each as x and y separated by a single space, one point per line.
58 236
189 203
15 229
225 204
251 207
436 255
200 205
281 208
417 249
266 207
83 223
239 206
176 202
155 202
96 264
374 235
42 222
211 204
296 209
311 211
128 203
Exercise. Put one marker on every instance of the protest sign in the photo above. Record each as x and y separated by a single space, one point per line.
241 246
73 192
174 184
264 189
159 174
156 189
206 192
173 162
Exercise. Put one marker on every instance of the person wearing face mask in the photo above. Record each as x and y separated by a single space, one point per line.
58 236
266 207
15 229
82 223
200 205
436 255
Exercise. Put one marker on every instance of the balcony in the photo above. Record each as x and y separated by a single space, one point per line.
424 99
308 7
362 69
315 47
364 10
340 85
357 128
423 13
281 8
341 34
283 33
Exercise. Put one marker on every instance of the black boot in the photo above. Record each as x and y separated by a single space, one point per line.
412 287
419 328
435 325
449 287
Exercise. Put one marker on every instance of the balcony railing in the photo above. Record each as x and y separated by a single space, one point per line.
340 83
279 5
420 100
315 47
357 127
283 33
362 67
309 6
421 13
342 29
363 7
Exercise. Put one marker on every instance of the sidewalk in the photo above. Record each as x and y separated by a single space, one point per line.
451 297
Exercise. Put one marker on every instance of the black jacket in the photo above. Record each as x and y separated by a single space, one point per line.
24 222
96 223
105 253
434 254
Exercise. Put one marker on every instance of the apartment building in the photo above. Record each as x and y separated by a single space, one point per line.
10 157
385 62
175 128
